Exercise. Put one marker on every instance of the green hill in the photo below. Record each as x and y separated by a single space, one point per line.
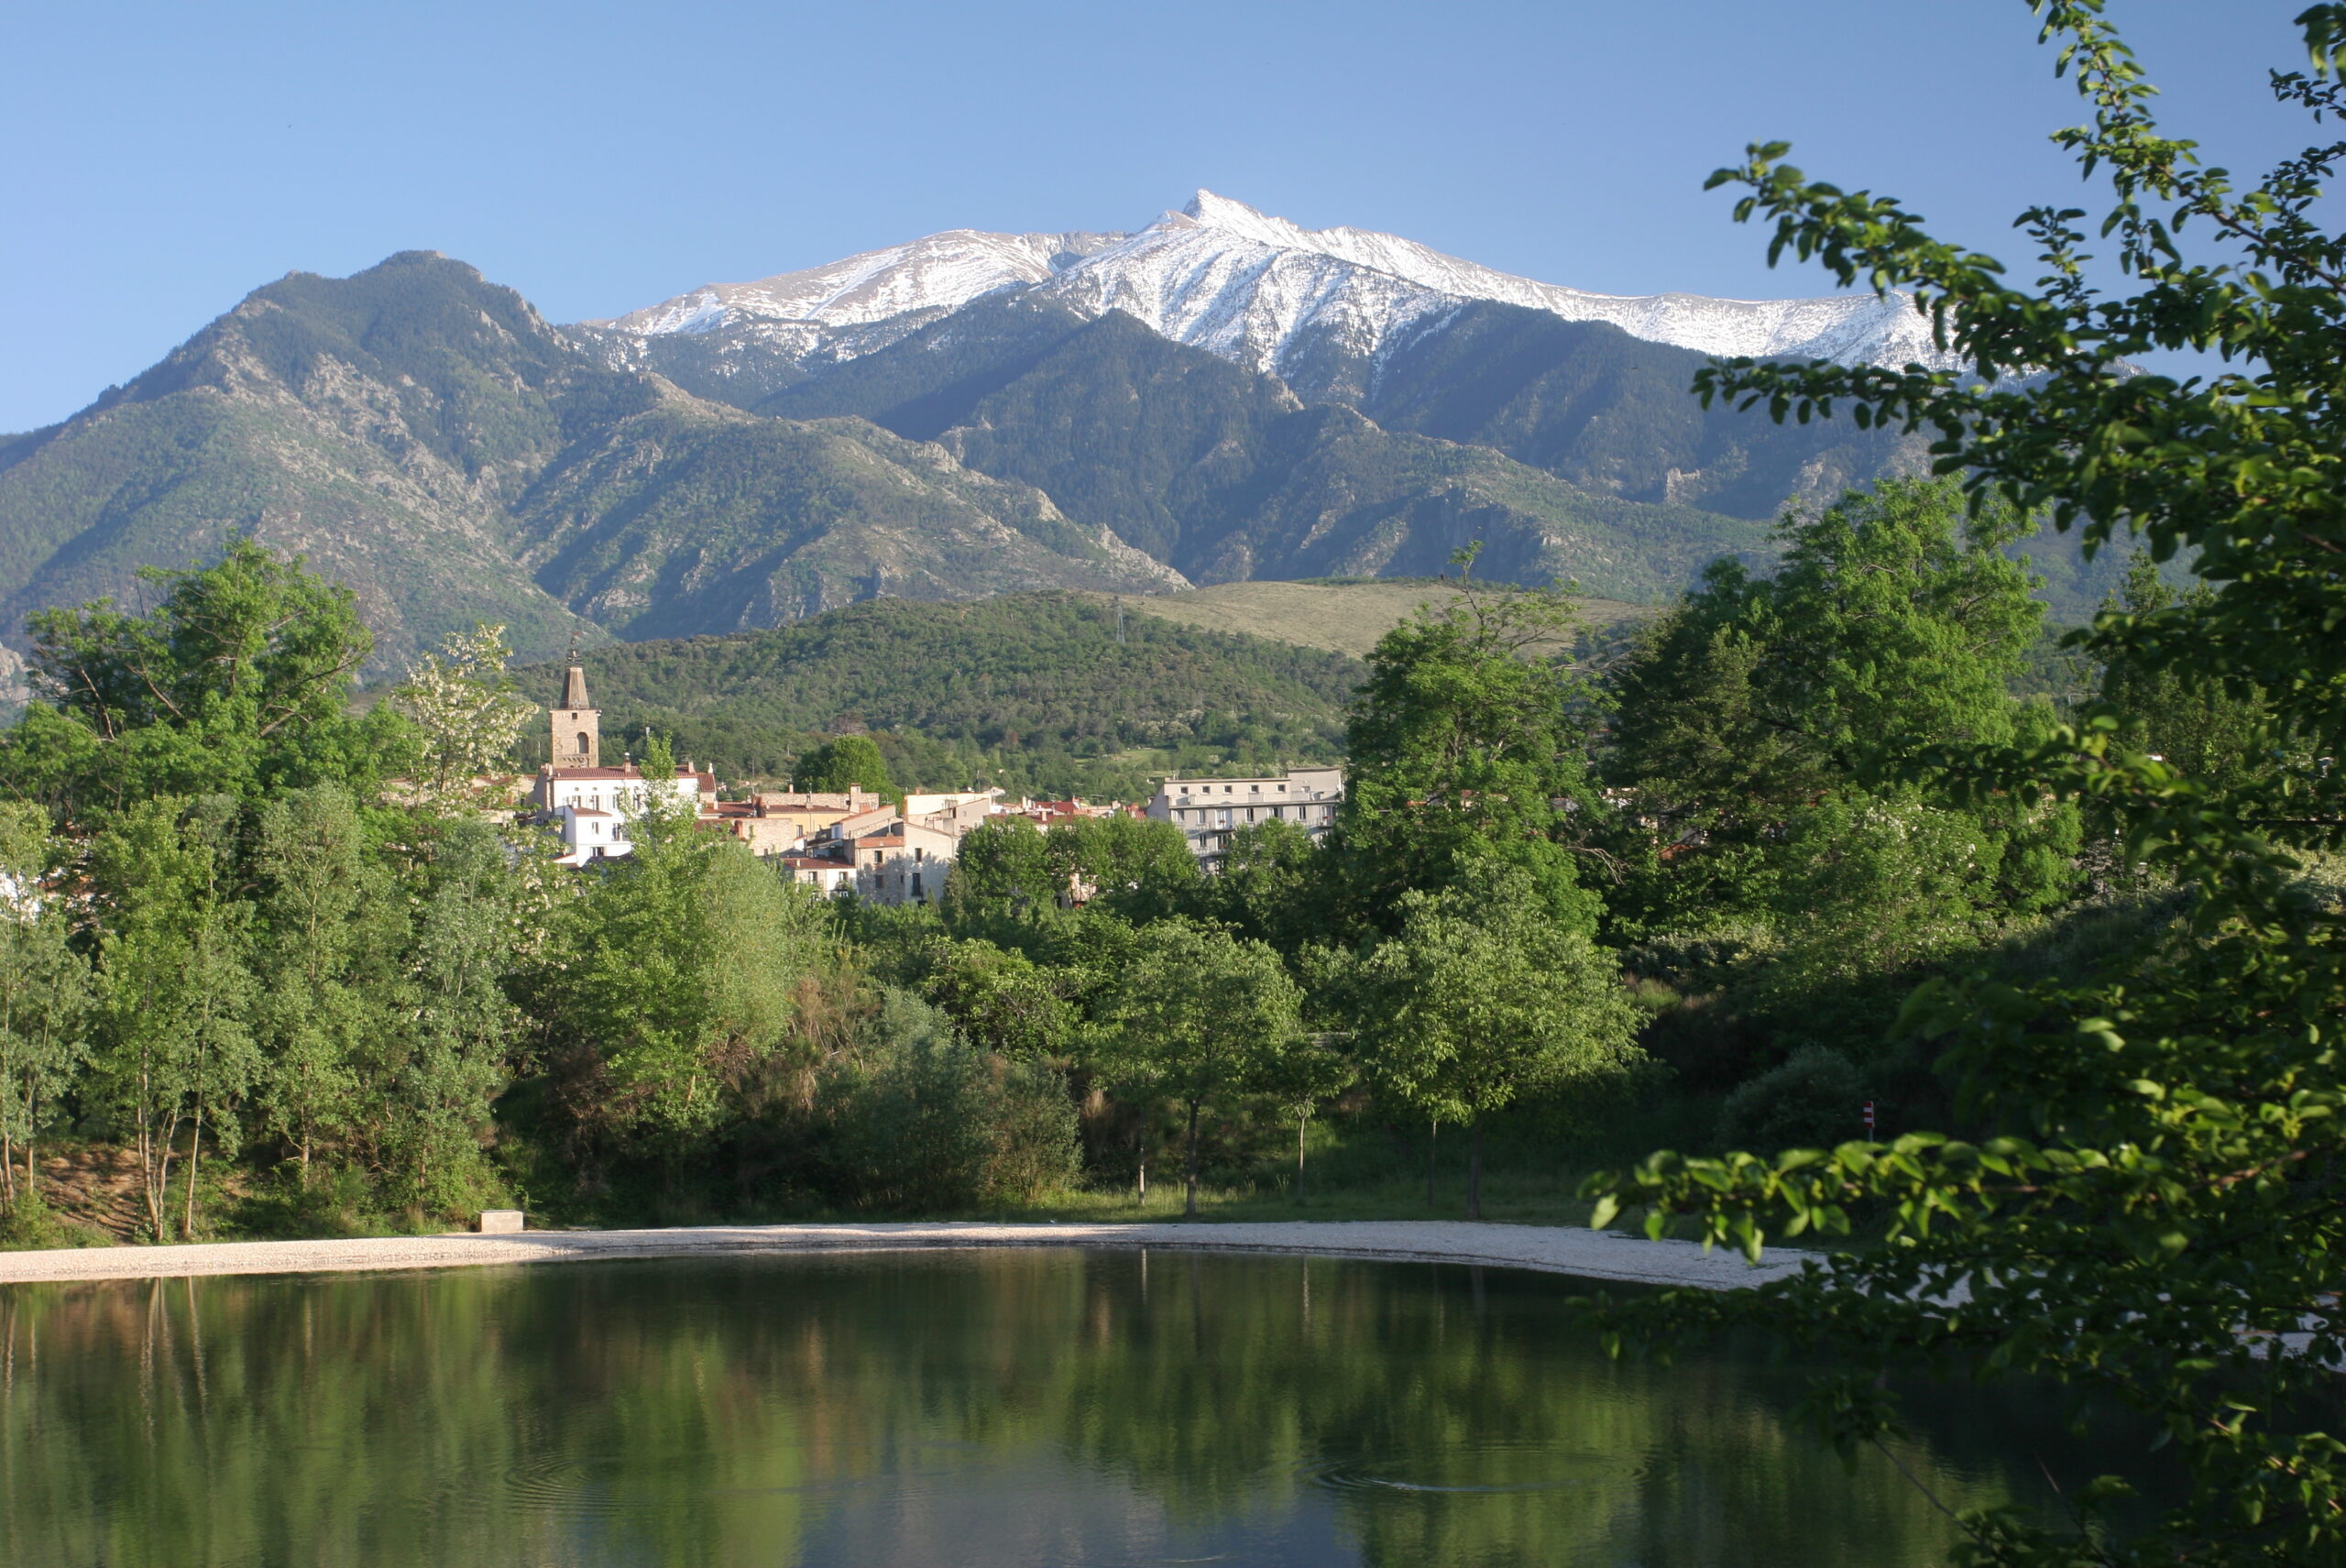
1034 691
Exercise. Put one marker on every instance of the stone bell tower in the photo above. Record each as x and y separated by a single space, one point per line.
577 738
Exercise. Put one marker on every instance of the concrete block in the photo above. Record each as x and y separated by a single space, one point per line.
495 1222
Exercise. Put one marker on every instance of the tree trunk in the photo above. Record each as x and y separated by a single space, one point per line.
1140 1151
1474 1169
1433 1141
8 1167
195 1168
1301 1117
1190 1212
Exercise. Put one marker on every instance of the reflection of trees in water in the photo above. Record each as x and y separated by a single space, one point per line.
707 1411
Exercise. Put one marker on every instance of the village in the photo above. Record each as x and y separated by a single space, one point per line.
855 842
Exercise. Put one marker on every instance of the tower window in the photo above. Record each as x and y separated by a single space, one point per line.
582 741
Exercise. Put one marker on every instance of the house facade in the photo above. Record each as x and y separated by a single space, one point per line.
1208 811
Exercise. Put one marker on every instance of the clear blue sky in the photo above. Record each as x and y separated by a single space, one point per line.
163 160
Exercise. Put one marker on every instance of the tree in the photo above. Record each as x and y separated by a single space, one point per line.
236 681
835 766
670 983
1893 625
44 992
1270 885
1312 1069
1481 998
2156 1208
1004 870
2223 739
174 992
1136 867
466 715
1470 739
450 1056
1003 1002
1196 1014
328 939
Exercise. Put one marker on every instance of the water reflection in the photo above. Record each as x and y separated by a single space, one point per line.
971 1409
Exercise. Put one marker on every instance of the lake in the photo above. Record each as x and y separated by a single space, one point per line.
966 1408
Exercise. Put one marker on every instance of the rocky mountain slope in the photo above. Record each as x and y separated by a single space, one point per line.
426 437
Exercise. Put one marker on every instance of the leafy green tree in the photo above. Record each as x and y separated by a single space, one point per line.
1270 886
44 995
329 936
236 681
1895 626
2223 738
451 1055
1004 869
1470 739
1196 1015
837 765
1137 868
671 981
174 992
1311 1070
2155 1223
1481 998
1003 1002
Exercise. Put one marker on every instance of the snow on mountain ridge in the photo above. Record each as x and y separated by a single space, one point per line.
1255 289
938 272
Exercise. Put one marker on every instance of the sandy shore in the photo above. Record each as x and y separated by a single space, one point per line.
1591 1255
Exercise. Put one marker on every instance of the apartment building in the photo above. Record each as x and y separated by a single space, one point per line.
1208 810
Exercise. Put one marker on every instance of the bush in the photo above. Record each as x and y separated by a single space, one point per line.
28 1223
1810 1101
922 1121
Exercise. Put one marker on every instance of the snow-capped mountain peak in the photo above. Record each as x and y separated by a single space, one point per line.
1257 289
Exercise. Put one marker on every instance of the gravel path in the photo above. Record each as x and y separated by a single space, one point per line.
1592 1254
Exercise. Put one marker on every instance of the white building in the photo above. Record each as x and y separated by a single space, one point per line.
1208 810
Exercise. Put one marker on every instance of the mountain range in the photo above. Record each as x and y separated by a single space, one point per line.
1219 396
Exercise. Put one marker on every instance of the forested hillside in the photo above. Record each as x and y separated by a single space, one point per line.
1043 691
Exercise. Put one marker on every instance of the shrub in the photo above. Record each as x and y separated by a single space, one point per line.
27 1224
1811 1101
922 1121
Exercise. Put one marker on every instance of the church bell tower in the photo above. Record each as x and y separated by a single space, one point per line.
577 739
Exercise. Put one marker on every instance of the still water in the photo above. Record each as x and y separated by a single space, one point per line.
976 1409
